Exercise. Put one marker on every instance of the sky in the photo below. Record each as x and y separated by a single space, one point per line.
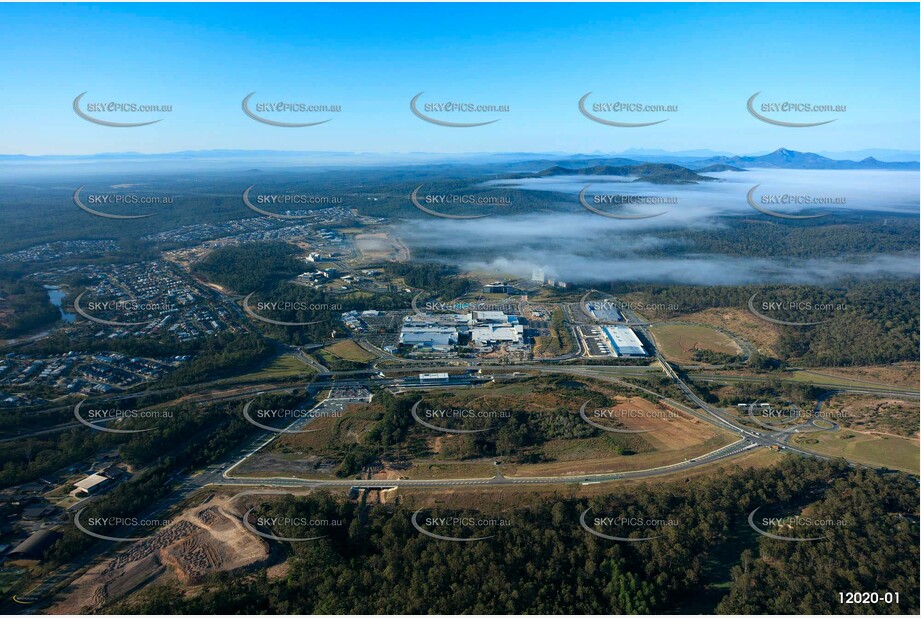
537 59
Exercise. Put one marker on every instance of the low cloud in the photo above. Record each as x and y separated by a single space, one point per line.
585 247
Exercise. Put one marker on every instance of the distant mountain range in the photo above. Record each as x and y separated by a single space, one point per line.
793 160
883 154
717 167
692 170
702 161
657 173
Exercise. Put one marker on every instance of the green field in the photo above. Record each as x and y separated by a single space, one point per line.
800 376
678 341
350 351
451 470
885 451
284 366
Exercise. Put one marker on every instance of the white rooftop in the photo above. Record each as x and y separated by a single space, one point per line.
624 341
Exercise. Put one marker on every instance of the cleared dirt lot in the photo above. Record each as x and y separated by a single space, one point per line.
205 539
379 246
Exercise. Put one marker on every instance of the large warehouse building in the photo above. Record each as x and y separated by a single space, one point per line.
623 341
604 311
442 331
432 336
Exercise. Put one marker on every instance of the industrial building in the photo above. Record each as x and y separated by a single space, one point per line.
495 328
604 312
616 341
624 341
431 336
499 287
90 485
428 378
34 547
441 379
443 331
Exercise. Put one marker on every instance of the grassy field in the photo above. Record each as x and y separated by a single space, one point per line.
284 366
449 470
872 414
350 351
678 341
566 445
902 375
741 322
558 342
486 496
640 461
798 375
887 451
333 434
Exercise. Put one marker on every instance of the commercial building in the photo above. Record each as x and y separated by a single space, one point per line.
92 484
34 547
604 312
429 336
434 377
441 379
623 341
498 287
442 331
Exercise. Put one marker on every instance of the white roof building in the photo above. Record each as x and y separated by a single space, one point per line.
428 336
624 341
492 334
90 485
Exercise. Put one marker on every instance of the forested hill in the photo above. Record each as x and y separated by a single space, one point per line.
544 562
657 173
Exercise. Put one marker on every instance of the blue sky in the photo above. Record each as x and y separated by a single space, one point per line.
539 59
